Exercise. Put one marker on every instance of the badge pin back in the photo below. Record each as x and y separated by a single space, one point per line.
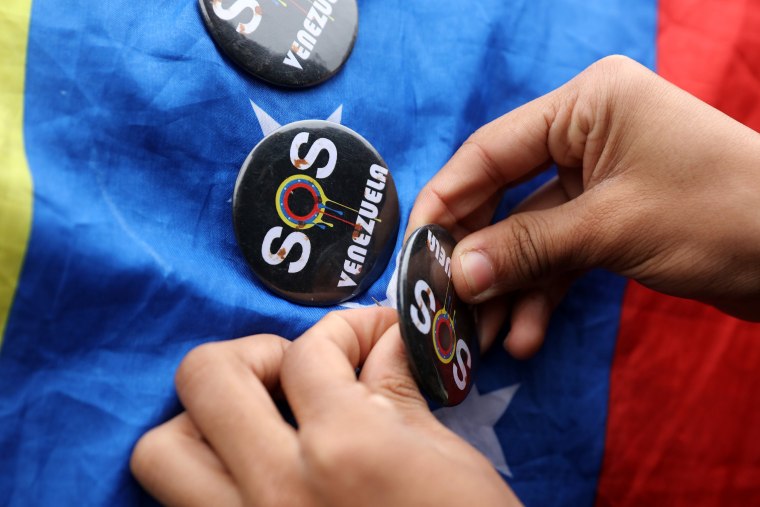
315 212
437 327
280 41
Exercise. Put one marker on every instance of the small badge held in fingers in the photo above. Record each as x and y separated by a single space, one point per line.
437 327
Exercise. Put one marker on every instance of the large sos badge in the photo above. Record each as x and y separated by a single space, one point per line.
294 43
437 327
315 212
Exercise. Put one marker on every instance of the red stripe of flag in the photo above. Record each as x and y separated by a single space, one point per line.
684 414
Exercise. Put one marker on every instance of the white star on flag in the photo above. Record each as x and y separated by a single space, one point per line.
269 124
474 420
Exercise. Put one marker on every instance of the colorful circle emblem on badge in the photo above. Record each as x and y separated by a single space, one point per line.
437 327
288 192
290 43
315 212
444 336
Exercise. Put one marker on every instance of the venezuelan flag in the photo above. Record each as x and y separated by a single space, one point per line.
122 131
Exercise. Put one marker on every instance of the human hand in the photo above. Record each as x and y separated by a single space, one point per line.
652 184
366 441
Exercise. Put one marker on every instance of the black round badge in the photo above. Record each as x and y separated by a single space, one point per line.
316 212
437 327
294 43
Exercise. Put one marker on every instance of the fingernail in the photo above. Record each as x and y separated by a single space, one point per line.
477 270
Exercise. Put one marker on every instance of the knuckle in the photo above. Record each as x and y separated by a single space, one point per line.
196 365
436 203
293 358
615 68
400 389
475 148
615 62
146 455
525 254
616 77
335 319
429 196
313 344
327 453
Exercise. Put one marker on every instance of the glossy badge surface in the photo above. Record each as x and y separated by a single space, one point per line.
285 42
437 327
315 212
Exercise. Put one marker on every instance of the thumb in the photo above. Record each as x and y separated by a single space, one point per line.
529 248
386 372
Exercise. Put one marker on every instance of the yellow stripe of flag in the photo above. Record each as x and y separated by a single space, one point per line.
15 179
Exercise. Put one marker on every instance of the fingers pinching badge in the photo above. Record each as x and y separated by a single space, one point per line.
315 212
286 43
437 327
